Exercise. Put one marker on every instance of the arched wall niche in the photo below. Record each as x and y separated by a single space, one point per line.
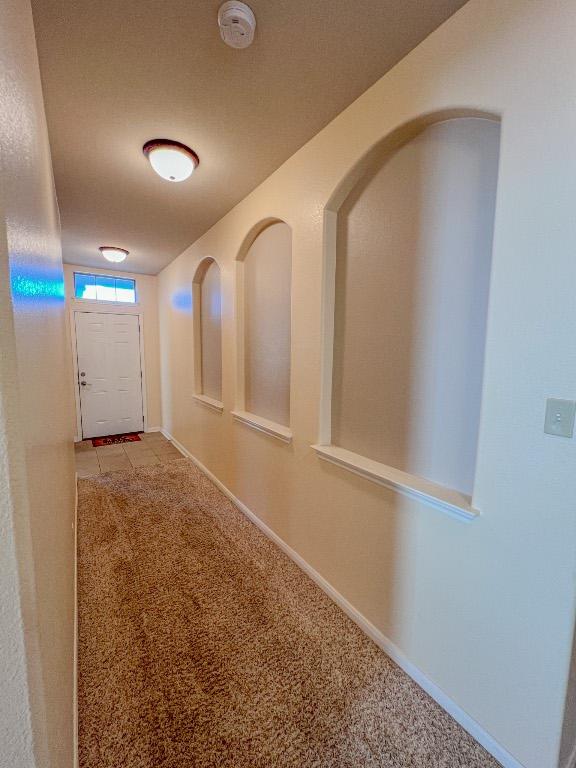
408 243
254 232
263 285
393 141
207 317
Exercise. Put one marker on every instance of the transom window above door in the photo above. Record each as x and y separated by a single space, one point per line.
104 288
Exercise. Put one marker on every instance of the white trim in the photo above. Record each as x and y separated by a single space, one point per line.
106 302
74 350
74 341
209 402
75 653
142 370
197 335
433 495
153 429
240 331
328 308
463 718
264 425
179 447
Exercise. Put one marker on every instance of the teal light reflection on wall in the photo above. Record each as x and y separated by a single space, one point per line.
37 285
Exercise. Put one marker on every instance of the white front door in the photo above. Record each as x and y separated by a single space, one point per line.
109 373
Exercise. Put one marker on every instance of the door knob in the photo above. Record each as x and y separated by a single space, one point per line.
82 383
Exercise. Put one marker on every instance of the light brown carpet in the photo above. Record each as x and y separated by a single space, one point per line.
201 644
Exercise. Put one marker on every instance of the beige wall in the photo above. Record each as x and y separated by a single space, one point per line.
211 330
36 456
484 609
413 268
147 306
267 277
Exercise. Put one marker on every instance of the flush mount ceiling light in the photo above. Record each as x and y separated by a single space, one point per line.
170 159
111 253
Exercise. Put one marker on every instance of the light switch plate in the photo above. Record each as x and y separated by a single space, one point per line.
559 419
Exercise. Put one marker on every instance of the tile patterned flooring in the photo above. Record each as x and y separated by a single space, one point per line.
153 448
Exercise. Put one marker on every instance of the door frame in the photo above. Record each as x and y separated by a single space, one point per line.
105 311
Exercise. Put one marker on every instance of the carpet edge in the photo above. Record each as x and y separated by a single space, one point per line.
505 758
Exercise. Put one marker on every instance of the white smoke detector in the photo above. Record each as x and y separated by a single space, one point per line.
237 24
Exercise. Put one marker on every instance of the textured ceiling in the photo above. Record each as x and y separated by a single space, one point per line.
117 73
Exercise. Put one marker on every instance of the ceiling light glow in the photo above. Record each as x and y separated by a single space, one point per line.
112 253
170 159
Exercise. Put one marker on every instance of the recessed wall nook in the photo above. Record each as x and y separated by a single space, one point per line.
207 319
408 259
263 293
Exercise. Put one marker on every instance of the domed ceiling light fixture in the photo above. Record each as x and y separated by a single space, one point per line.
112 253
171 160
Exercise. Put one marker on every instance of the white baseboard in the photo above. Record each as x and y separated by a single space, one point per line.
471 726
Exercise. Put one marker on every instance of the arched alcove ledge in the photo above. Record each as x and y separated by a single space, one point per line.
266 426
446 500
209 402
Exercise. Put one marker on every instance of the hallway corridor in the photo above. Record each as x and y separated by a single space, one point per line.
202 645
287 384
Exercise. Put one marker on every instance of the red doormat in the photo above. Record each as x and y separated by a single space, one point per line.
130 437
